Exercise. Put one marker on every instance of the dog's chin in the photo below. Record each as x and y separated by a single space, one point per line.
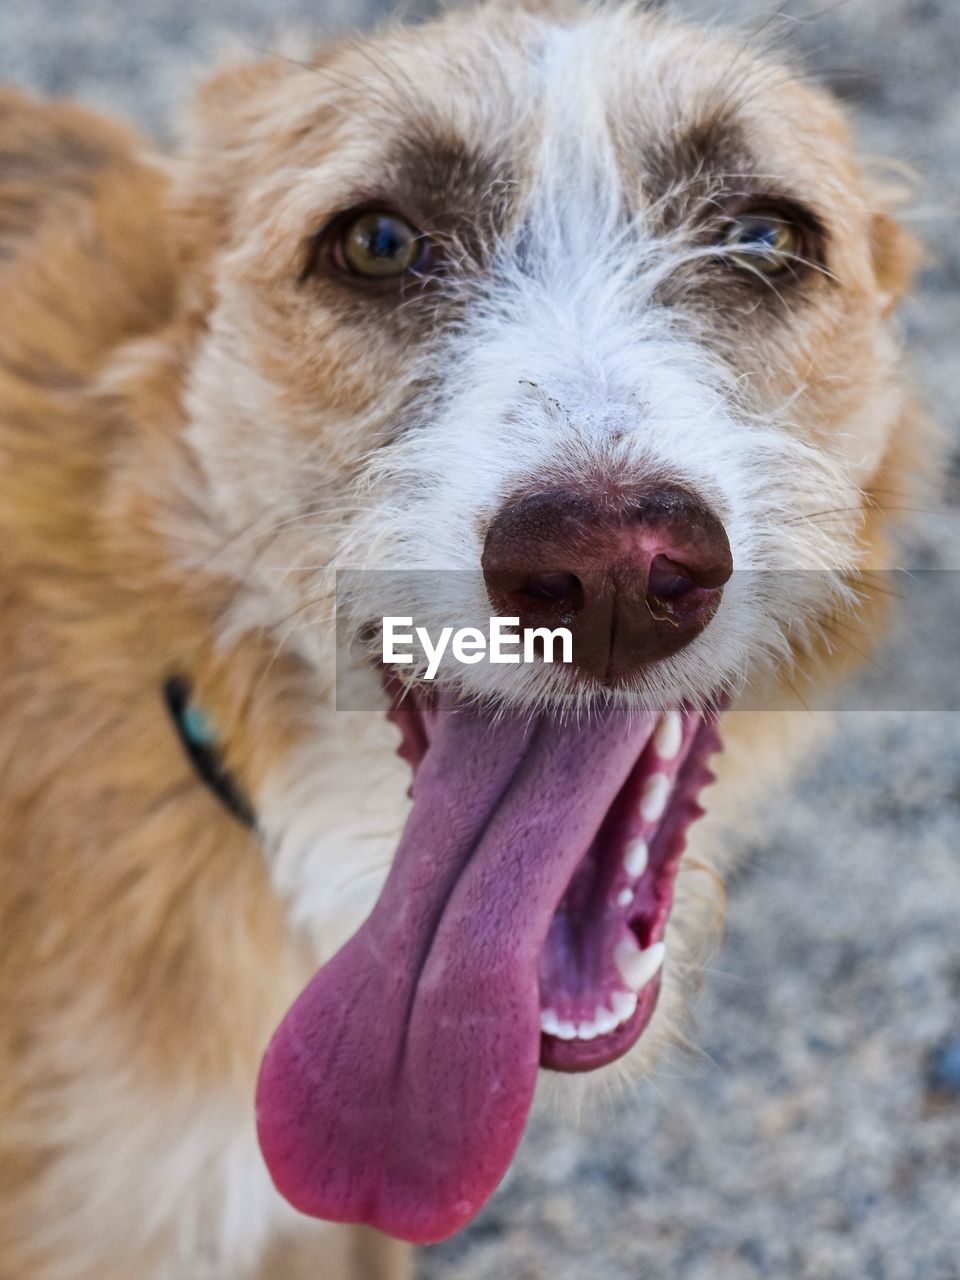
522 926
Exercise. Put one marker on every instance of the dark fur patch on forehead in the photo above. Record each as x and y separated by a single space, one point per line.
458 194
687 171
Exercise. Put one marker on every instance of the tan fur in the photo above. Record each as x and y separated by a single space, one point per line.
131 901
145 957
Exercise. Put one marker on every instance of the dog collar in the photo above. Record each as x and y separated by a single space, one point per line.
202 743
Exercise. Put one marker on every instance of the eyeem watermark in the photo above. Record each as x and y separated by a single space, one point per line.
913 667
503 643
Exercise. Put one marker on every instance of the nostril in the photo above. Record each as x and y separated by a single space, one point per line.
669 580
560 588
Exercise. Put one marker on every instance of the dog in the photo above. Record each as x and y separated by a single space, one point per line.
578 317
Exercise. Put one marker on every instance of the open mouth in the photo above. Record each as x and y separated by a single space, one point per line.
599 969
522 925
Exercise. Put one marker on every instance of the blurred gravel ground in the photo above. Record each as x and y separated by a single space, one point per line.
818 1135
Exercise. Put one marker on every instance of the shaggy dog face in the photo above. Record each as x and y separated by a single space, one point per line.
572 277
575 311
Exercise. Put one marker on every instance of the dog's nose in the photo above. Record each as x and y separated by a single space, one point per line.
634 575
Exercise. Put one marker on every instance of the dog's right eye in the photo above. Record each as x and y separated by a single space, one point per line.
375 245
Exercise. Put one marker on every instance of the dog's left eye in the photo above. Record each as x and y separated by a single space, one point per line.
765 241
377 244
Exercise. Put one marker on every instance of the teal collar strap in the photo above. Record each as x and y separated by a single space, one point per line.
203 746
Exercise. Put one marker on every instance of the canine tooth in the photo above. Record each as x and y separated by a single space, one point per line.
624 1005
549 1021
668 738
636 857
636 966
653 801
624 897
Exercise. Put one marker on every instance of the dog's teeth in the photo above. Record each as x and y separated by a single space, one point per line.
653 801
624 1005
635 858
549 1022
605 1021
668 738
601 1024
636 966
624 897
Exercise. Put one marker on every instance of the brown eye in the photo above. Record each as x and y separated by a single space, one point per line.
766 241
379 245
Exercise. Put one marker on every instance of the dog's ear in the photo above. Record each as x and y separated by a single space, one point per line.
896 256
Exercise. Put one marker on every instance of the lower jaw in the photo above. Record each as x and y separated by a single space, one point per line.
572 1056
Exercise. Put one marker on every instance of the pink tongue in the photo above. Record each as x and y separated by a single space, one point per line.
396 1089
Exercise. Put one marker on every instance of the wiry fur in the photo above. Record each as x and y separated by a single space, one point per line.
190 440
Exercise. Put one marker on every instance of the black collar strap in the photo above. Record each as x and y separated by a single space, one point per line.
200 740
